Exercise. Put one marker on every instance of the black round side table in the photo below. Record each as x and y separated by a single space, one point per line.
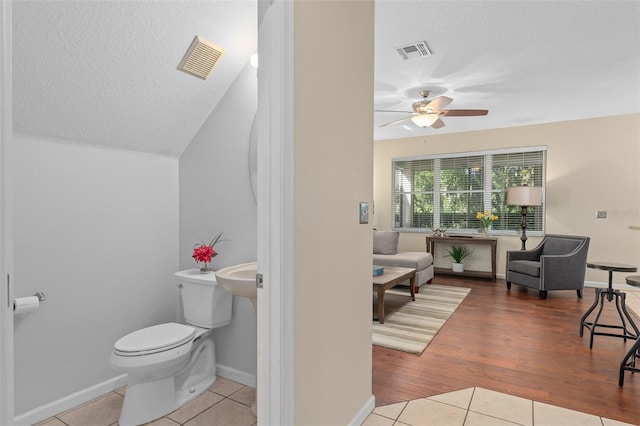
629 361
633 280
610 294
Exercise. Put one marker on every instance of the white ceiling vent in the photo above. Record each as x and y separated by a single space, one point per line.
416 50
201 57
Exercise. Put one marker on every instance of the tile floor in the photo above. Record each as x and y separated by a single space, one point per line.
224 403
228 403
480 407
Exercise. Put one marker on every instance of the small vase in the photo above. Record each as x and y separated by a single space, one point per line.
484 232
205 268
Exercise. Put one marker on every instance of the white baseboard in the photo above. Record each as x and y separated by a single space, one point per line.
236 375
595 284
70 401
622 287
65 403
364 412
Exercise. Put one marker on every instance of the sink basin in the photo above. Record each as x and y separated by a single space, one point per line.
239 280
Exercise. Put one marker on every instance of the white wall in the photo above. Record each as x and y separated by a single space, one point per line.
215 196
96 230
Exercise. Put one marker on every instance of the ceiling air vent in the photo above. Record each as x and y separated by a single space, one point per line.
201 57
416 50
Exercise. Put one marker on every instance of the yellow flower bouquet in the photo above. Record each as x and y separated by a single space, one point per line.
486 219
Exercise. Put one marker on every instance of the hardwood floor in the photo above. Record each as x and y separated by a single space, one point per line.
515 343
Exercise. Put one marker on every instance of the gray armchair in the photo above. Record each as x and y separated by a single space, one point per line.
559 262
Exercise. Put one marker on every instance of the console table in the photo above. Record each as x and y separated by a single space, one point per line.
458 240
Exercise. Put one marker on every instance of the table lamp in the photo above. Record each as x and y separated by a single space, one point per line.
524 196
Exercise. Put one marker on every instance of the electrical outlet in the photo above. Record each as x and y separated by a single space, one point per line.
601 214
364 212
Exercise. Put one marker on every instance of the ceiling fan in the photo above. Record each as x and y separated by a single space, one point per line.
427 112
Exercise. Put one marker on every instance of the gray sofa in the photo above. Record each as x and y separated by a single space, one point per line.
559 262
385 253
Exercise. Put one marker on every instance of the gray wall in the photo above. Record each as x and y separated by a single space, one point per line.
215 196
97 231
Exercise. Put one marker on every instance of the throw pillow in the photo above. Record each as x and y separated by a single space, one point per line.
385 242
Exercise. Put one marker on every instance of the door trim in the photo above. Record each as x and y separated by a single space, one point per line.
6 244
275 394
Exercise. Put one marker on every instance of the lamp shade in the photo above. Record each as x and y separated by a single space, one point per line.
524 196
425 120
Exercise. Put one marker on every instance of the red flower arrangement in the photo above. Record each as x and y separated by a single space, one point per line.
204 252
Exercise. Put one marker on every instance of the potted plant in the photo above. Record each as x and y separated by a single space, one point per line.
458 254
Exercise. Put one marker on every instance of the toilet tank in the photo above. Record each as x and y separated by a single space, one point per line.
204 302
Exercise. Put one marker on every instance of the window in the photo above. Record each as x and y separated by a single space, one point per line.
446 191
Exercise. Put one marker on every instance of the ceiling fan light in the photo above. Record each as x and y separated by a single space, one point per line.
424 120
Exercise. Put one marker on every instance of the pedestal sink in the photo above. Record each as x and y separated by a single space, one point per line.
240 280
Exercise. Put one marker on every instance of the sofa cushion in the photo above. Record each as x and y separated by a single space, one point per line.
385 242
527 267
409 259
554 246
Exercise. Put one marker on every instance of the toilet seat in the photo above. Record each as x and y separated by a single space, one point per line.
154 339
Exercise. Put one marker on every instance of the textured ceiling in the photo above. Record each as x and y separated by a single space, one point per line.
103 72
527 62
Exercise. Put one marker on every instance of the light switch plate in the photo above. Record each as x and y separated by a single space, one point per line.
364 212
601 214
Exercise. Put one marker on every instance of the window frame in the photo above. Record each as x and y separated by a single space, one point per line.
487 190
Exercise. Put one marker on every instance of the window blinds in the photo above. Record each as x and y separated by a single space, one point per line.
447 191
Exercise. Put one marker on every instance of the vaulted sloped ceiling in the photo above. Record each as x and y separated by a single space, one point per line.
104 72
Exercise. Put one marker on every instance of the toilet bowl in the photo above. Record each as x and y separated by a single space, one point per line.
170 364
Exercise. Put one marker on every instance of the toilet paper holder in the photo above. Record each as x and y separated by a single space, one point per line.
39 295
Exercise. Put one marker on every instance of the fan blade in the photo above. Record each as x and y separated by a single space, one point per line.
396 121
464 112
440 102
437 124
390 110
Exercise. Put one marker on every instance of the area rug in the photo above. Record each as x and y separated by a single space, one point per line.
410 326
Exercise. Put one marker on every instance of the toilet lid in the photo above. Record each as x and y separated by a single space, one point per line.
155 338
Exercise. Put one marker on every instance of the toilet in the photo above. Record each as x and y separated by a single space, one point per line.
170 364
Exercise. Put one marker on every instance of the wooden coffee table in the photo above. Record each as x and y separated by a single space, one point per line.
391 277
